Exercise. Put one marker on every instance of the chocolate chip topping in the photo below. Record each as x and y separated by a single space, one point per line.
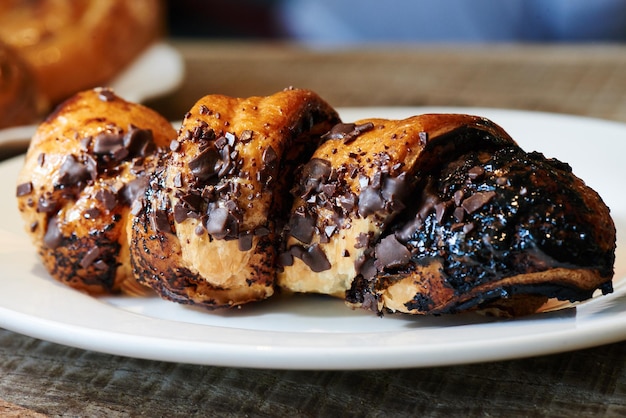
107 143
206 164
160 221
107 198
477 200
24 189
314 257
91 256
390 254
348 132
73 172
302 226
222 223
134 189
106 95
53 236
139 142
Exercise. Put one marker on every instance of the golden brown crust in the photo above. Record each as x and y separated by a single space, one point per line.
76 45
82 170
207 234
20 100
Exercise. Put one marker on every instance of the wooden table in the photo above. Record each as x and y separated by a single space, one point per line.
54 380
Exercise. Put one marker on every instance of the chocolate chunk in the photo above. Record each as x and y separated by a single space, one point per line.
316 259
106 95
53 236
302 227
24 189
92 213
390 253
458 197
441 208
46 205
91 256
423 137
459 214
245 241
174 145
477 200
221 223
160 221
269 157
362 240
134 189
181 212
206 164
314 173
72 172
395 190
370 201
347 201
261 231
139 142
107 143
193 201
107 198
285 259
347 131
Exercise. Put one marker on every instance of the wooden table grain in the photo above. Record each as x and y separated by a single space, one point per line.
46 379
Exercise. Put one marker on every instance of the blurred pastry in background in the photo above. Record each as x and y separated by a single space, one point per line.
20 101
72 45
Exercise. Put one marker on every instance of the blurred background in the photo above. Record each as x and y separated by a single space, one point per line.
332 23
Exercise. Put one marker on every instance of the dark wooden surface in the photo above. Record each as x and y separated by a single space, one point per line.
54 380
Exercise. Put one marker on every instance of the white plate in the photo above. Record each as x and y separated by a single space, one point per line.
157 71
309 332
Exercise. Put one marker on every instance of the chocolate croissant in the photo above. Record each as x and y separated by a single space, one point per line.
208 230
86 165
443 213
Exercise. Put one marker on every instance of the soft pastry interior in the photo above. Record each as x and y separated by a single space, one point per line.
433 214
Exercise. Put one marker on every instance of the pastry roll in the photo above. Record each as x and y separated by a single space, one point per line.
208 229
86 165
443 213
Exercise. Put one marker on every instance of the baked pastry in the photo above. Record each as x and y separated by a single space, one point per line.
20 101
86 164
207 232
442 213
79 44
